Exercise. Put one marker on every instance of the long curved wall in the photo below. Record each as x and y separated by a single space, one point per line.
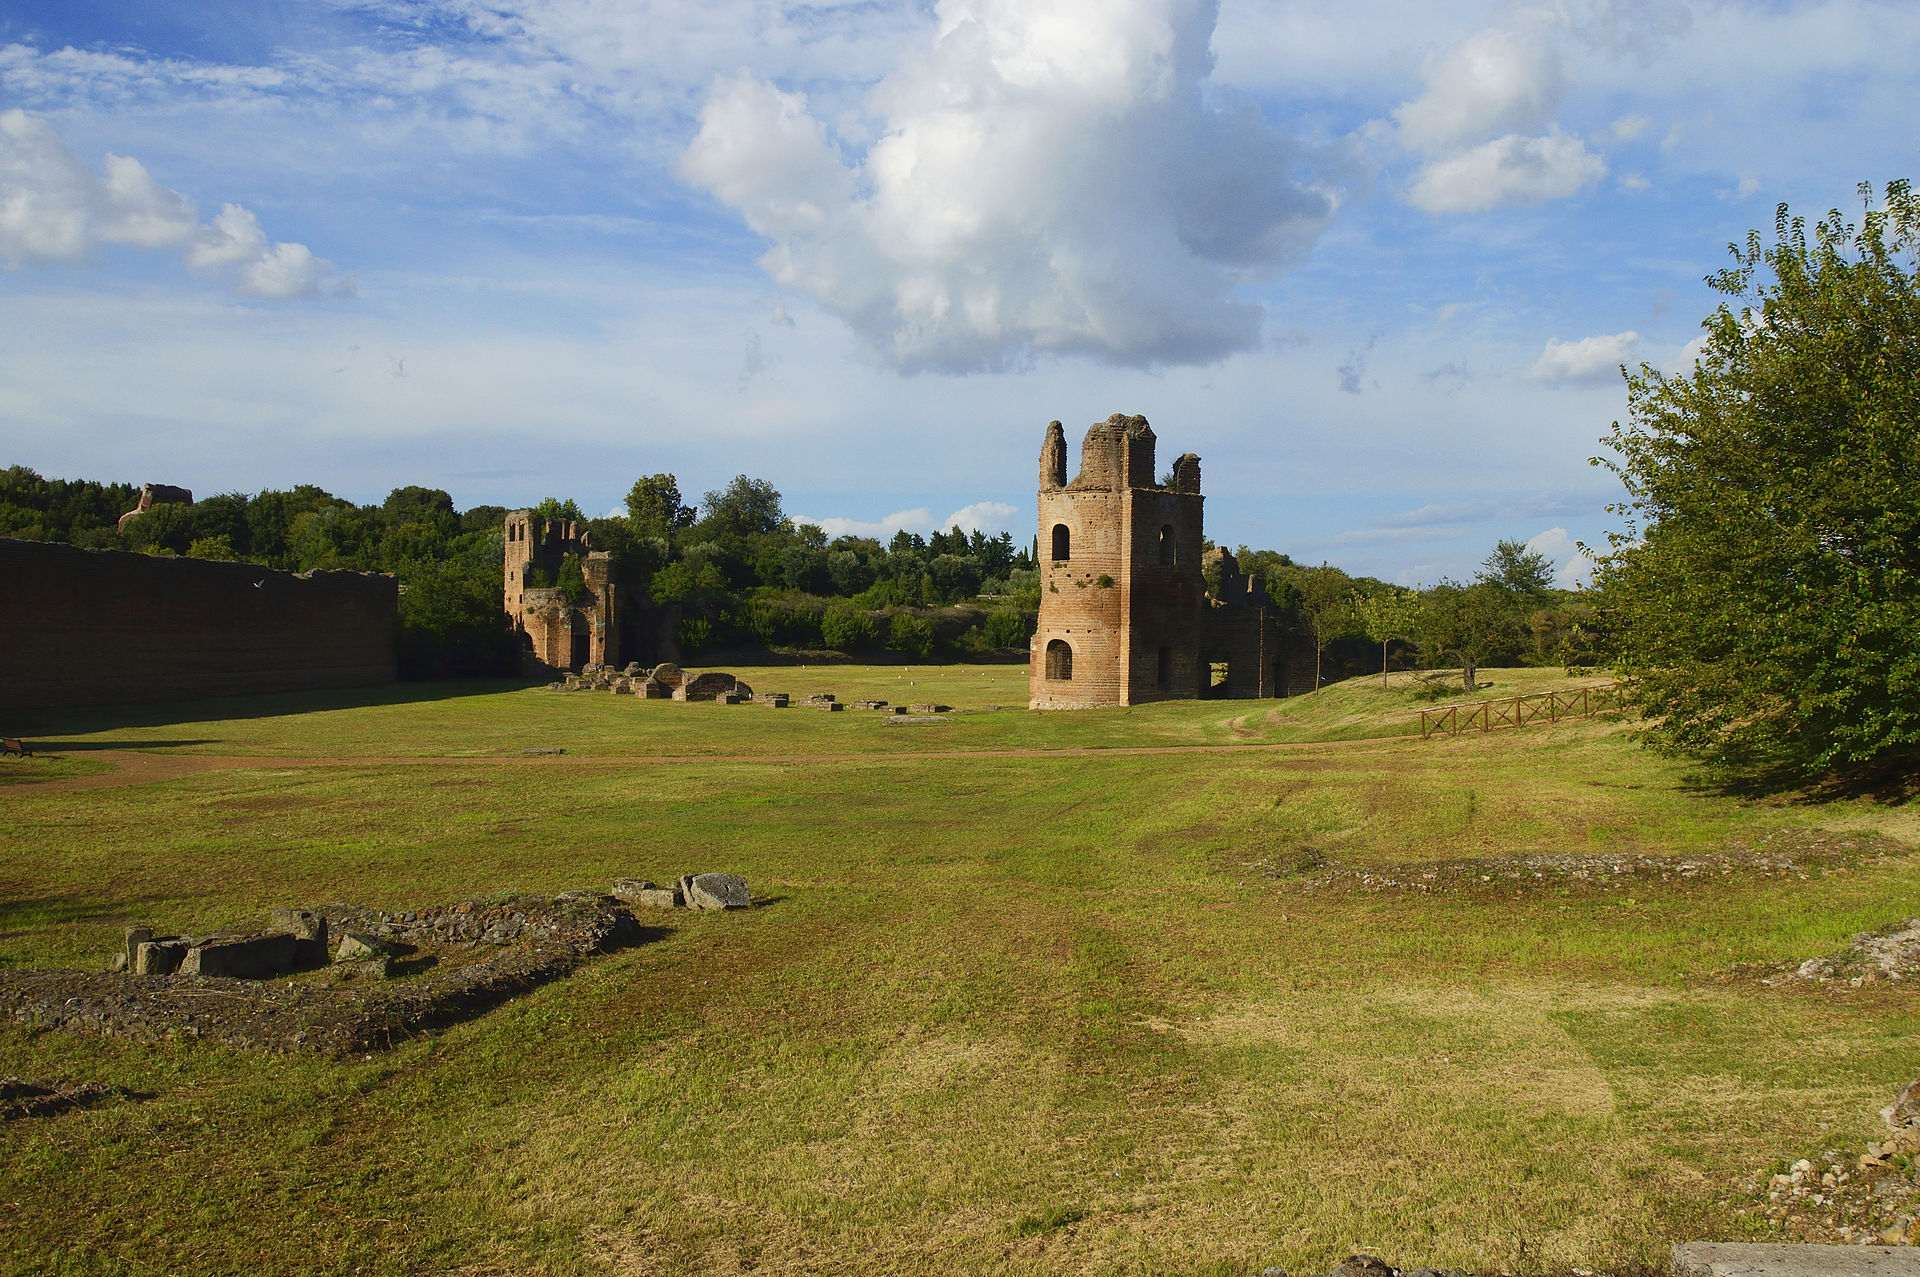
96 627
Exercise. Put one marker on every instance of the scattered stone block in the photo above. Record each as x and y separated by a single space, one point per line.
634 670
777 700
309 931
358 944
119 962
822 700
252 957
869 704
643 892
544 749
159 957
930 708
705 687
716 891
730 698
379 966
668 675
133 937
652 689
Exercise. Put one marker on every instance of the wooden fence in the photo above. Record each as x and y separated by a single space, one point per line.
1519 711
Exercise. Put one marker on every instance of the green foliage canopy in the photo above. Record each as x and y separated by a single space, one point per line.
1767 614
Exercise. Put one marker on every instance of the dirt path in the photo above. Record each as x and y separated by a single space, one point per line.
132 767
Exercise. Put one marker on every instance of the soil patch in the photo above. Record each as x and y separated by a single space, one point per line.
21 1098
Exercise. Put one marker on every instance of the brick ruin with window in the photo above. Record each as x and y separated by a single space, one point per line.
558 632
1125 612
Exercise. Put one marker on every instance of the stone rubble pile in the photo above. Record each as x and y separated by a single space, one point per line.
1790 854
1868 1200
1891 953
462 958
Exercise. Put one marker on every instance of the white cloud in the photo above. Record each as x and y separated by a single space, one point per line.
1588 359
1506 171
915 520
1572 568
1628 128
1050 177
1496 81
990 517
53 209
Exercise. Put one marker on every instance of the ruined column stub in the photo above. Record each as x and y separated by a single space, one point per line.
1053 459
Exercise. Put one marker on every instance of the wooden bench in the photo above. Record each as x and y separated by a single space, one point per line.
11 745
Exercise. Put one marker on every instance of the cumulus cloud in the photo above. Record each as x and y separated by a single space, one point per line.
54 209
1476 121
1572 567
1495 81
1050 176
1588 359
990 517
1512 170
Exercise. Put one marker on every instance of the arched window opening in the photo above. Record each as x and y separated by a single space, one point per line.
1166 546
1061 543
1163 673
1059 660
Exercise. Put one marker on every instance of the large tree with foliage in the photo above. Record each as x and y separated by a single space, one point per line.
1764 601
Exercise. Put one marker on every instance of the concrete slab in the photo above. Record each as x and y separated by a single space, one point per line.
1754 1259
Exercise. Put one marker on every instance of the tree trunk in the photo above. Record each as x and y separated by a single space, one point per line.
1383 662
1468 673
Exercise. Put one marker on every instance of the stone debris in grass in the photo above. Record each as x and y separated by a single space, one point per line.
20 1097
465 958
1361 1265
1791 854
1891 953
1869 1199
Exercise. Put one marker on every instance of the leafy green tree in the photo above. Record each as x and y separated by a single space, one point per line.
654 507
1763 601
1324 595
1467 622
1386 615
911 634
845 628
1005 627
745 507
1523 573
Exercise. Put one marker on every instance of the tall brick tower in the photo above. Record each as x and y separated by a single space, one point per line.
1121 594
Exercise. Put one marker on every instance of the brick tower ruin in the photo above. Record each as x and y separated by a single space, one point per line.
556 631
1125 616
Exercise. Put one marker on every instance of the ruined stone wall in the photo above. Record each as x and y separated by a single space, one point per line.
1164 600
93 627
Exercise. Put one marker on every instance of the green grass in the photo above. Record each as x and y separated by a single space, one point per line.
1010 1008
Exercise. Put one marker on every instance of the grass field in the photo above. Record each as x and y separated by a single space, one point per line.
1022 996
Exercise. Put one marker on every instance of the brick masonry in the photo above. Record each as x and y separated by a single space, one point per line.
95 627
1125 617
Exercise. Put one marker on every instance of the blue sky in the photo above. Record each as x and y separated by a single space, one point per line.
1375 261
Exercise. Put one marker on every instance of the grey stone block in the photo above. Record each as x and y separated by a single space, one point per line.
159 957
643 892
255 957
716 891
309 932
358 944
377 967
134 938
1759 1259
